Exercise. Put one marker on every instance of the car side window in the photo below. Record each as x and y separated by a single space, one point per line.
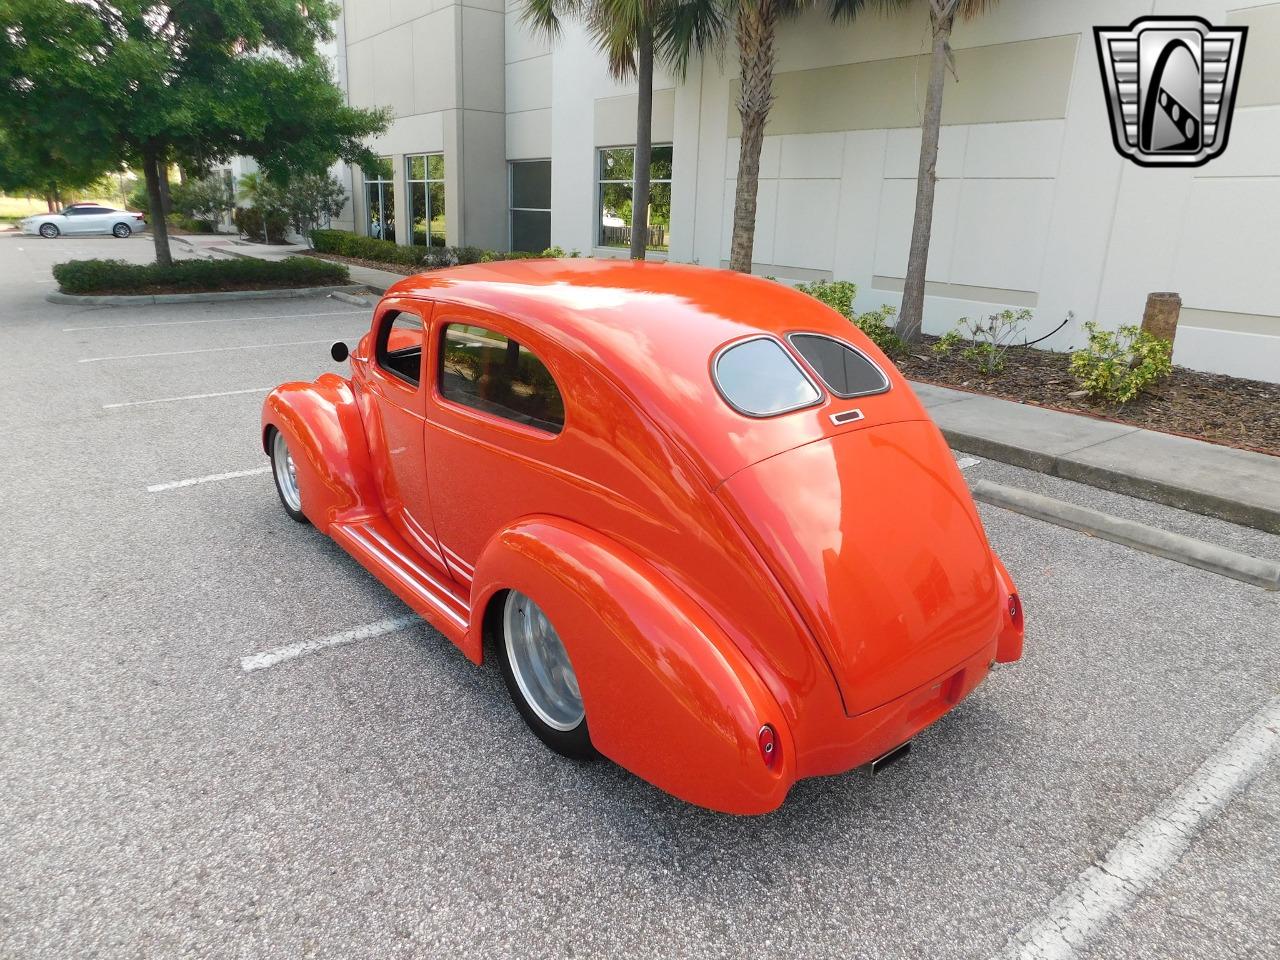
399 347
487 371
757 377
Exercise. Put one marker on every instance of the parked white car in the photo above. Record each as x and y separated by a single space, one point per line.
82 218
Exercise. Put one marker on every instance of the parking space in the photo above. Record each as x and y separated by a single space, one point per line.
380 797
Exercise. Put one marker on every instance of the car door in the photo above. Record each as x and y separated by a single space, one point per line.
395 427
99 219
72 220
494 418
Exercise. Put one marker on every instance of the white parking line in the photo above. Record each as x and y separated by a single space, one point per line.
269 658
179 353
178 323
1150 847
175 484
189 396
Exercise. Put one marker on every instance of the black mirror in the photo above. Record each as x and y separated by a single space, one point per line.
339 351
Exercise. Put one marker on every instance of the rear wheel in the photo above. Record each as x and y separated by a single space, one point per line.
121 230
48 231
541 679
285 472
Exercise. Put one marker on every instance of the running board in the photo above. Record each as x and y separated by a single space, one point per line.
386 554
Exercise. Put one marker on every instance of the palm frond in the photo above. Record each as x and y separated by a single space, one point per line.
543 16
616 25
683 28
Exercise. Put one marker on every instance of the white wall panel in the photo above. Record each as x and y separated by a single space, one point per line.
897 209
1000 233
805 223
811 155
1029 148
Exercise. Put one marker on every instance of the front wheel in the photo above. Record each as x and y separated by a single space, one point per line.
285 472
48 231
541 680
121 230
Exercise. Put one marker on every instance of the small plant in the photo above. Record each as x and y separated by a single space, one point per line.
1118 365
836 294
988 340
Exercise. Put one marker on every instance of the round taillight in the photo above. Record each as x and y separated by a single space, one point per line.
1015 608
770 747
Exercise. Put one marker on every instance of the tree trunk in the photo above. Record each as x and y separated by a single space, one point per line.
159 231
165 199
911 317
644 142
756 25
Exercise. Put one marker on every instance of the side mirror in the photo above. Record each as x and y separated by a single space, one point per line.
339 351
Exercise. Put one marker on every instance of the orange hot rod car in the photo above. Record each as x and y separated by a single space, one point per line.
703 524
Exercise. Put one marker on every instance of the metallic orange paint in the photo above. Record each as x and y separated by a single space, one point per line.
708 572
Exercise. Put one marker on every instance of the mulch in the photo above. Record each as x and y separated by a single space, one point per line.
1206 406
399 268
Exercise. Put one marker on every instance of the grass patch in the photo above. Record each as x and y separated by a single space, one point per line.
196 276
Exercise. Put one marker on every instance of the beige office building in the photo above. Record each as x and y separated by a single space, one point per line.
504 140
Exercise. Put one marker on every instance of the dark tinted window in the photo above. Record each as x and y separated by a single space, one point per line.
485 370
759 378
844 369
400 347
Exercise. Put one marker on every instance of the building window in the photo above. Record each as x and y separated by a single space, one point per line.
531 205
424 174
380 201
616 181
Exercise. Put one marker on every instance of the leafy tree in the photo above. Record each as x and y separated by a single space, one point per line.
29 166
206 200
631 33
312 200
189 82
942 17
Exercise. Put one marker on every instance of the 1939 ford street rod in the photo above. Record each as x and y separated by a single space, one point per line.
702 522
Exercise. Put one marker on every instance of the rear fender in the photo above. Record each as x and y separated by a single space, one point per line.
1009 644
667 695
321 422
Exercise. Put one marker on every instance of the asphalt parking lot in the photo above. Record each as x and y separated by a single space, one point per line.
383 799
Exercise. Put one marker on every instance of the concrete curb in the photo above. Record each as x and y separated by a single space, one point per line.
1157 491
349 298
1129 533
285 293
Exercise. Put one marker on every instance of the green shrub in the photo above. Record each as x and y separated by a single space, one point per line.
347 244
1117 366
191 276
876 324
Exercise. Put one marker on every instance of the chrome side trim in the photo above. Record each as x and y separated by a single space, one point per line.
888 384
405 569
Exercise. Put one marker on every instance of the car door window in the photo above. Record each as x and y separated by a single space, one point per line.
399 347
484 370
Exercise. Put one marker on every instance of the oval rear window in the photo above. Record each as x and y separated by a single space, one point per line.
759 378
846 370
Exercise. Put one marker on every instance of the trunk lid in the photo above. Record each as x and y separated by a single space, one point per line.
875 538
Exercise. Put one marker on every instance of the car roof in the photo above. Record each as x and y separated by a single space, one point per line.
654 328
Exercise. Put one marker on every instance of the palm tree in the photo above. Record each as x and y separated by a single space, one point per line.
757 23
942 17
630 33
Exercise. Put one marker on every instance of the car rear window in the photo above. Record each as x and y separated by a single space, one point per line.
760 378
845 369
487 371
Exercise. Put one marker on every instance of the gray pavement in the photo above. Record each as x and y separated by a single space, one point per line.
383 799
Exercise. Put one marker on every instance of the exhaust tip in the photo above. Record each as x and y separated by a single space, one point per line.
888 759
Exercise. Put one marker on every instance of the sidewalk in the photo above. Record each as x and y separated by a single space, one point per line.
1206 478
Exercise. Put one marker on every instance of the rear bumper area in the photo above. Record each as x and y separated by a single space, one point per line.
853 741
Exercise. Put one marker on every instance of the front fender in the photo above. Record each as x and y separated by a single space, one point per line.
321 422
667 696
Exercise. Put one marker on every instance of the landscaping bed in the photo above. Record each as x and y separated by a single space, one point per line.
1207 406
400 268
117 277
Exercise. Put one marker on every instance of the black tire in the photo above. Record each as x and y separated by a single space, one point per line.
121 231
49 231
293 510
575 743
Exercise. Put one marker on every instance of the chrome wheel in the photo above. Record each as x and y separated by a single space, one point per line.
48 231
540 664
121 230
286 472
